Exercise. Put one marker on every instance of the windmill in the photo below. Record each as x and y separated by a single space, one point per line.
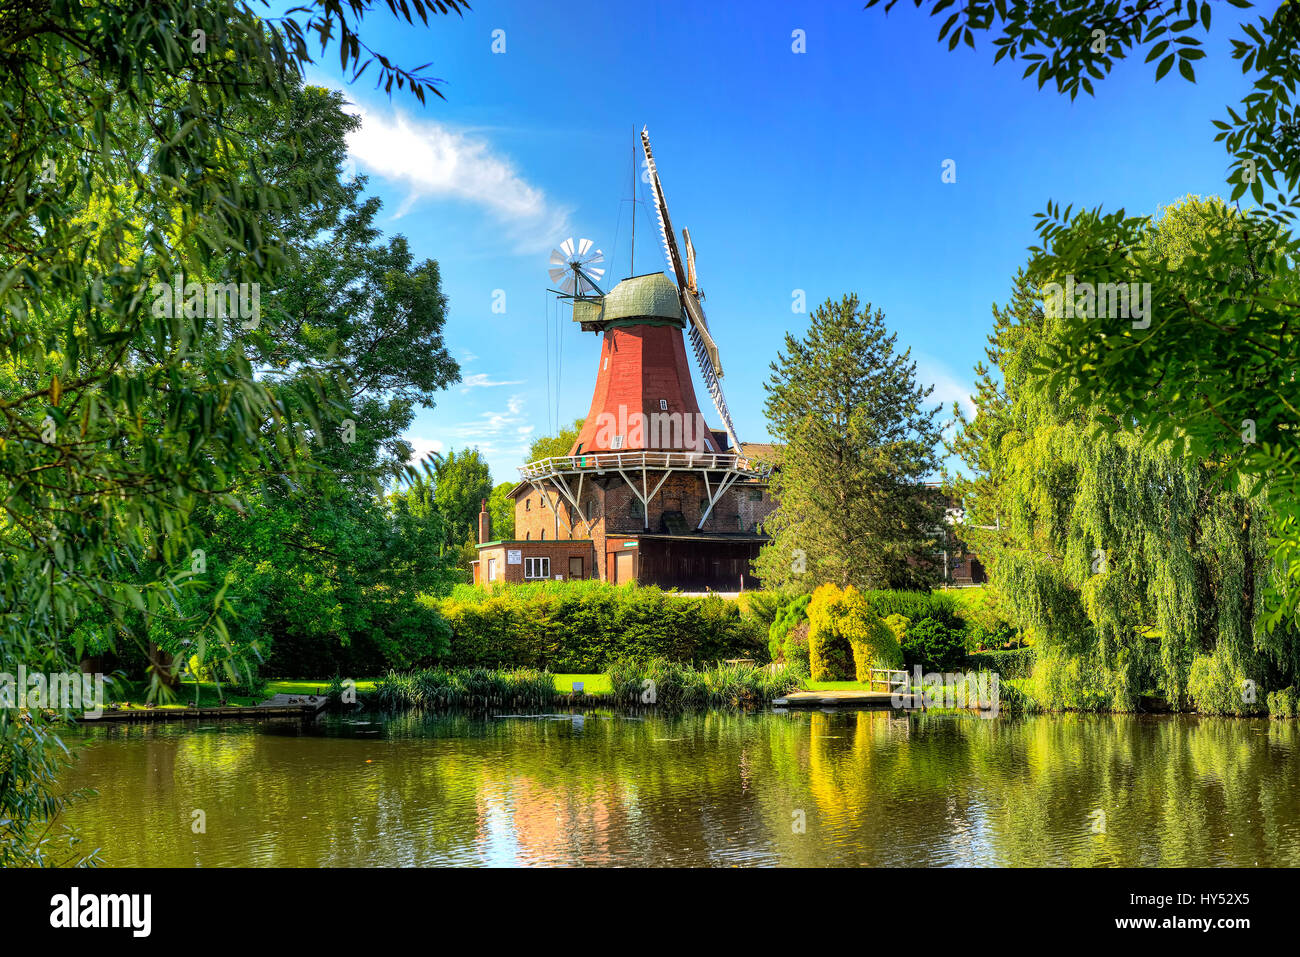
706 350
576 269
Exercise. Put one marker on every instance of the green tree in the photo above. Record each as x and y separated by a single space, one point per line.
128 159
1212 364
502 509
460 485
315 567
555 446
1130 561
855 444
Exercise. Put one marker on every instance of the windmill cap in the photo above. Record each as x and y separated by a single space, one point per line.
651 297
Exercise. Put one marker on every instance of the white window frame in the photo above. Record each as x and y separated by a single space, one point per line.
492 569
537 568
616 442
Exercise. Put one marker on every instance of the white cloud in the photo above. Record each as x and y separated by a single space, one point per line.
423 447
948 388
436 162
502 433
481 380
468 356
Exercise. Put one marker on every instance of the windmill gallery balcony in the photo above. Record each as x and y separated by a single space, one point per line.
646 472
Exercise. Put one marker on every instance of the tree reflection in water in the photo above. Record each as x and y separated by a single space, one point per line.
715 788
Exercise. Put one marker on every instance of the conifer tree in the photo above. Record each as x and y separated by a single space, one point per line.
855 443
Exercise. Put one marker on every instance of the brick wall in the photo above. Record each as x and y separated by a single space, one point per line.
558 552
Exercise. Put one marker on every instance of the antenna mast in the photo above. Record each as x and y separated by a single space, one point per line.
631 271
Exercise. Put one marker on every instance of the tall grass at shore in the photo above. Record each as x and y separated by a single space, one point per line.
433 689
665 684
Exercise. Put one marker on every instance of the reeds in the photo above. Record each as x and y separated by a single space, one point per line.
670 686
435 689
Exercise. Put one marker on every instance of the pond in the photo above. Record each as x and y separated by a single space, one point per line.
806 789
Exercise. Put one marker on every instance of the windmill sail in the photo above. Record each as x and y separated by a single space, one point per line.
706 350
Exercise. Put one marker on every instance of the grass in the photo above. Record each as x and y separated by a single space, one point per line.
837 685
134 694
591 684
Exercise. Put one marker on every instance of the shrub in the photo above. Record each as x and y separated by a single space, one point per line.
795 650
898 624
934 645
915 605
874 645
1284 703
1216 684
761 606
846 638
830 656
1016 663
788 615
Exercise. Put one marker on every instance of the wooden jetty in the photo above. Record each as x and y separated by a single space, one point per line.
880 695
278 706
879 700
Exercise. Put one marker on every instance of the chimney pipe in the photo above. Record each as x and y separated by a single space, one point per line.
484 524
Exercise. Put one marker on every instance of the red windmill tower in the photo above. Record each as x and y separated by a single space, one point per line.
649 492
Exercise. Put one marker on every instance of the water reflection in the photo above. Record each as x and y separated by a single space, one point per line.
713 789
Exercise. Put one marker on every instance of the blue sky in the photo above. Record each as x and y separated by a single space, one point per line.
817 171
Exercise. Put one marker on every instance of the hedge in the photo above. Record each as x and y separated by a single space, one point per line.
584 627
1013 664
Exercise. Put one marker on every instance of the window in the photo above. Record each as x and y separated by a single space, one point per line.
537 568
528 505
575 567
492 570
616 442
663 404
